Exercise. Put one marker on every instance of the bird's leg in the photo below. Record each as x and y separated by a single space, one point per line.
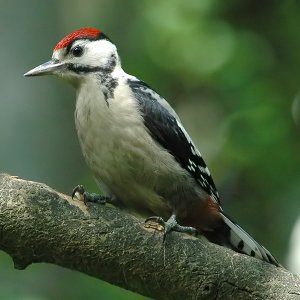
91 197
170 225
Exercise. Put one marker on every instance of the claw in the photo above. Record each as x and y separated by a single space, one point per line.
156 223
78 189
171 225
89 197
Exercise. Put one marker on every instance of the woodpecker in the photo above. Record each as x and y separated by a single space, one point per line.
136 146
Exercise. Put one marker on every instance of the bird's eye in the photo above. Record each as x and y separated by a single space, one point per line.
77 51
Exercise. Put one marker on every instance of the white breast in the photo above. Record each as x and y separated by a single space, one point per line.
120 152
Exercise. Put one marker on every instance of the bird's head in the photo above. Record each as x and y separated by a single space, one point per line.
84 51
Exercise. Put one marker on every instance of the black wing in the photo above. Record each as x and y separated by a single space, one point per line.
166 129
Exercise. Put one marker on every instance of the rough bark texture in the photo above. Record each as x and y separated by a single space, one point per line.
38 224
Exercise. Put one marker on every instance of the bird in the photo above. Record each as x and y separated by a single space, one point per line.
137 148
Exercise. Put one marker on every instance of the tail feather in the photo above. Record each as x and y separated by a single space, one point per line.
242 242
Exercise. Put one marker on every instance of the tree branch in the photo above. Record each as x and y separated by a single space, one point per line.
38 224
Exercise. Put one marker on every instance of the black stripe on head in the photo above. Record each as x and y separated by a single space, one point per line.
82 69
104 37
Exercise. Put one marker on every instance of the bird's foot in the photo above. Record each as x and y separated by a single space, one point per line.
171 225
85 196
156 223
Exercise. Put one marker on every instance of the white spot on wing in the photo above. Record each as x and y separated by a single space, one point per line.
207 171
193 151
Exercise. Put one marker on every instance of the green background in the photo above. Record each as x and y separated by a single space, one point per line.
230 69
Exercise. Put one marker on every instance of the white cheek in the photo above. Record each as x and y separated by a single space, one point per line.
98 53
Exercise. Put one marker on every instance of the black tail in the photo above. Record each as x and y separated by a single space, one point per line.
231 235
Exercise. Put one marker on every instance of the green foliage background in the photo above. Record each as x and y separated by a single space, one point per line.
231 70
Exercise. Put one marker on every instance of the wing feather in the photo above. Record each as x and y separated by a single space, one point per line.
165 127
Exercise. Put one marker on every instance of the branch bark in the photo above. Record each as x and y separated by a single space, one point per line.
38 224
